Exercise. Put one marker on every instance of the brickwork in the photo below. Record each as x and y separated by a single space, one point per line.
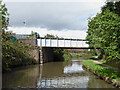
32 42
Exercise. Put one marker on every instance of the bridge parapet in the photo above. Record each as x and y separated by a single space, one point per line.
47 42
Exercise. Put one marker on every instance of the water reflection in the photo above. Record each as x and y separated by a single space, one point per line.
69 76
53 75
23 77
64 82
76 67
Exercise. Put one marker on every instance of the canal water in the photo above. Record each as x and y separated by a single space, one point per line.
53 75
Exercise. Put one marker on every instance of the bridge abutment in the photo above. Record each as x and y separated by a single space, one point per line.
46 55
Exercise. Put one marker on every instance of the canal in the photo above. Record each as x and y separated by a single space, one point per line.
68 74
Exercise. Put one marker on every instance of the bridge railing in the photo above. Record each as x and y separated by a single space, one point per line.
43 42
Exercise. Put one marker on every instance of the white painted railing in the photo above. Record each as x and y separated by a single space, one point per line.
61 43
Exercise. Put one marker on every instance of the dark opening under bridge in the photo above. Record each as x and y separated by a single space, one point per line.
47 45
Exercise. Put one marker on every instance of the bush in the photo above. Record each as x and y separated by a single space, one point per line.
14 55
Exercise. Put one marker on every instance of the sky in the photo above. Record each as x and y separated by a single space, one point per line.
63 18
53 0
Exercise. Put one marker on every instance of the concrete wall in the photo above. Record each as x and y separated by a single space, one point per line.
32 42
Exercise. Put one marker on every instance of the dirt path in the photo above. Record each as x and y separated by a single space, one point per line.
106 66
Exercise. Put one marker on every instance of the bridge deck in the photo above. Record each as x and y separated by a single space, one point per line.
63 39
70 47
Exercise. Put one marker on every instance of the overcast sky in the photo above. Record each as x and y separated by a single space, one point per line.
53 0
55 15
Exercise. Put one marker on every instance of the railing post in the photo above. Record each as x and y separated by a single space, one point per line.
45 42
50 43
57 43
70 43
64 42
82 43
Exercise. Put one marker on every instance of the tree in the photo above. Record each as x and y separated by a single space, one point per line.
4 20
112 6
51 36
34 35
104 32
4 16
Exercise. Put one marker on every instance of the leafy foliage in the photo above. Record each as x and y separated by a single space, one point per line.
4 16
51 36
104 32
15 54
113 7
34 35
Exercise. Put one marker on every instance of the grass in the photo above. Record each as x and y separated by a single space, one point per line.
101 70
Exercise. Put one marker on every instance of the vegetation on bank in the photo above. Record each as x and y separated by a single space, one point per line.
67 56
104 33
76 55
15 55
102 71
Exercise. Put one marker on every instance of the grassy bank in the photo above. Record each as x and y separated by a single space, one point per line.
15 55
108 74
113 63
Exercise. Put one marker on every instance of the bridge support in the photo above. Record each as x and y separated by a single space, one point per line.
40 56
46 55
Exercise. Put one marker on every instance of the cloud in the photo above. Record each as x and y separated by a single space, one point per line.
53 16
75 34
54 0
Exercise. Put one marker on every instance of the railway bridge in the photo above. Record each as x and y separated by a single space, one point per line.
47 45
